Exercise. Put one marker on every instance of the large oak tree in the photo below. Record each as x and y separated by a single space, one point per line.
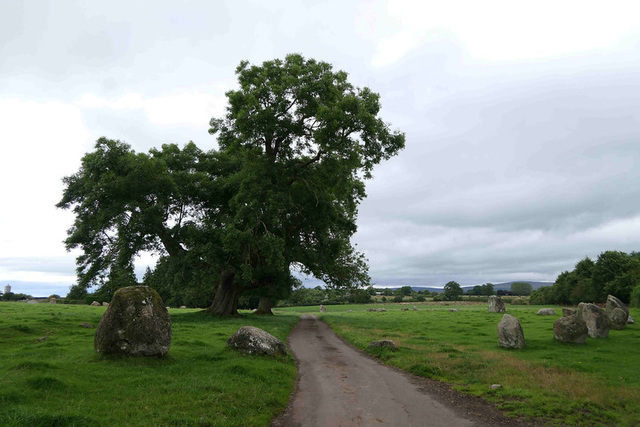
281 192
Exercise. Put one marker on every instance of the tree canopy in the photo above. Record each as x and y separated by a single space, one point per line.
296 144
453 291
614 272
521 288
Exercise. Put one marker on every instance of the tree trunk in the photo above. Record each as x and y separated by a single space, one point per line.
265 305
225 300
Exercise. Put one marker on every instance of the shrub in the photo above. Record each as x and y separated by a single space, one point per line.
635 297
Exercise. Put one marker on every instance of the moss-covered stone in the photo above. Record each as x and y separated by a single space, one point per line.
136 323
252 340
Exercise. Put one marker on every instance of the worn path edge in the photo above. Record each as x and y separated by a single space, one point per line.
339 385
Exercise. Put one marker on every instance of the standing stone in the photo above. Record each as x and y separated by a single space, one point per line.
618 318
566 312
95 304
630 321
617 312
595 318
414 308
496 305
136 323
546 312
570 329
323 309
52 300
105 304
510 333
252 340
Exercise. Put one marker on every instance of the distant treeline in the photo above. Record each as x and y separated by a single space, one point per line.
616 273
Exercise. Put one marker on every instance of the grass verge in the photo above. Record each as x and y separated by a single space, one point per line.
597 383
61 381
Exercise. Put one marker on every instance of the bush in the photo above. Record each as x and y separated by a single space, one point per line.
635 297
439 297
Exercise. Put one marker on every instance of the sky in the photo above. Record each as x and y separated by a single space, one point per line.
522 121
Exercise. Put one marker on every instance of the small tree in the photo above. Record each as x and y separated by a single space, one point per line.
487 289
453 291
521 288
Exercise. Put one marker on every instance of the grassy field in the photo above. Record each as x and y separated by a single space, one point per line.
61 381
597 383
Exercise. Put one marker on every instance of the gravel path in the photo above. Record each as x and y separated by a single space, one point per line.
341 386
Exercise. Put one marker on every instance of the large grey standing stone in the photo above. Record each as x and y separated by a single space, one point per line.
546 312
496 305
617 312
618 318
595 318
136 323
510 333
250 339
570 329
323 309
566 312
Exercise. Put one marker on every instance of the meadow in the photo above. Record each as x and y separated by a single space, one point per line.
61 381
597 383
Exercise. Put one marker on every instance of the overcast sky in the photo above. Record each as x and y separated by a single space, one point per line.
522 120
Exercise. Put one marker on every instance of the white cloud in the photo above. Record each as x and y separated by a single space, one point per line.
503 30
42 142
186 108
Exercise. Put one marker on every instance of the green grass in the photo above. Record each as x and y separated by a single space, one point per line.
61 381
597 383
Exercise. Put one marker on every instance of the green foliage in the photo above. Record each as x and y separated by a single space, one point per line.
295 146
487 289
62 381
10 296
635 297
476 290
541 296
404 291
614 272
453 291
521 288
359 296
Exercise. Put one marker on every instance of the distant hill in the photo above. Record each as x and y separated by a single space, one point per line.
506 286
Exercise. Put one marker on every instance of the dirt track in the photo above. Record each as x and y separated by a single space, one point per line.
340 386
